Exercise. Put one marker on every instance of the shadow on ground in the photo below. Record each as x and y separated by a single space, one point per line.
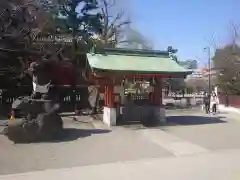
193 120
71 134
222 112
177 121
175 106
68 134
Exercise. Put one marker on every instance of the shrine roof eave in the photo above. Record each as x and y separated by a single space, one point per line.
136 64
142 73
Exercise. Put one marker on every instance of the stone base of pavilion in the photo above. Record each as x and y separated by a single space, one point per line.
109 116
159 114
147 115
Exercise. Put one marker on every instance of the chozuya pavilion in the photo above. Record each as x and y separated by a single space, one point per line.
113 66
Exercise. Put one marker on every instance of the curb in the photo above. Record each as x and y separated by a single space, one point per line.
100 125
86 119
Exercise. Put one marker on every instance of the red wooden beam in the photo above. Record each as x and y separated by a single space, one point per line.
151 76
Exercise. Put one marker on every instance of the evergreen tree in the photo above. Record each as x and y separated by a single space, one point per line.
81 17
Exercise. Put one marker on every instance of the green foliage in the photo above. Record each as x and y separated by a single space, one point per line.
189 89
197 84
189 64
227 62
47 5
81 17
17 27
176 84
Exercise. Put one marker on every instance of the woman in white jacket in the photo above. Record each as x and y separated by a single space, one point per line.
213 103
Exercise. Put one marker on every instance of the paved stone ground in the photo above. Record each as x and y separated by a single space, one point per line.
220 166
190 134
84 146
218 133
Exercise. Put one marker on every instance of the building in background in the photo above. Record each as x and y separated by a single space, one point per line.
204 73
213 73
197 73
193 65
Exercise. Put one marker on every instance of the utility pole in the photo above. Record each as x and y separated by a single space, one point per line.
209 68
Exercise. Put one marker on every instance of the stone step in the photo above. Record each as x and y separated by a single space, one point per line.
100 125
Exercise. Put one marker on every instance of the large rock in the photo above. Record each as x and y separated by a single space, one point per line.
44 127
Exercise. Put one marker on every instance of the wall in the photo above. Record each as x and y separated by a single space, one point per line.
233 100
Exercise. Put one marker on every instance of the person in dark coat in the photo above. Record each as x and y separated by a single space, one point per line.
206 101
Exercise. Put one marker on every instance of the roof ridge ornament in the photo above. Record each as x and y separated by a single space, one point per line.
133 52
171 56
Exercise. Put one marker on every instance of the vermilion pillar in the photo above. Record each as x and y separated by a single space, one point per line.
156 100
109 96
157 93
109 111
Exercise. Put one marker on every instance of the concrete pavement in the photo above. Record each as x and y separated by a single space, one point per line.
221 166
220 132
174 144
82 147
228 109
192 146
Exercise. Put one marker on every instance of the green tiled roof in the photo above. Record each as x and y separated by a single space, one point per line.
135 63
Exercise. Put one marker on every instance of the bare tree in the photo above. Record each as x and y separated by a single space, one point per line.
234 33
114 21
21 21
211 41
133 39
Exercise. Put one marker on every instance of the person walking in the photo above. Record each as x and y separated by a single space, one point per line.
214 102
206 101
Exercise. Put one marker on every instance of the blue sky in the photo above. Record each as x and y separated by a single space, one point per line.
187 25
